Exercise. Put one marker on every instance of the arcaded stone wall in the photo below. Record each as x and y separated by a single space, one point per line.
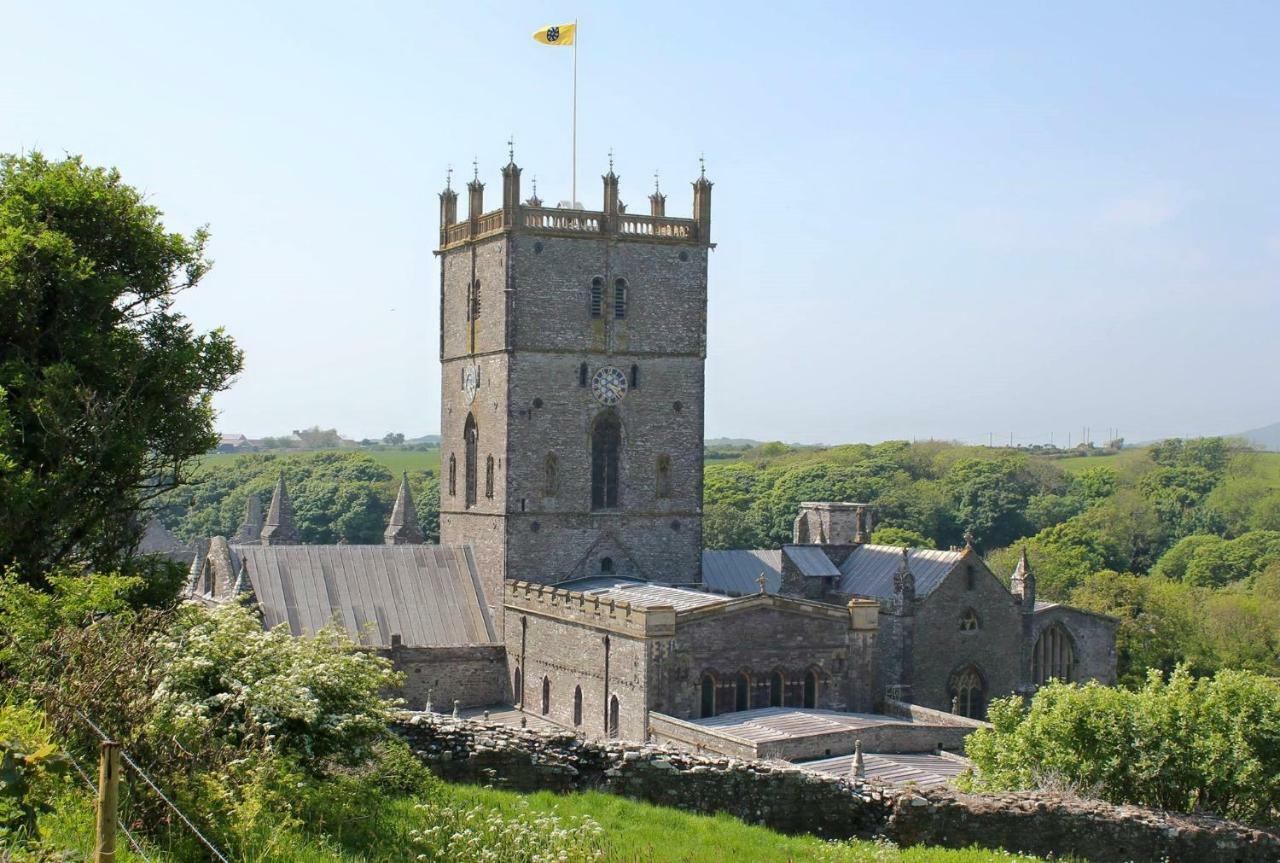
1093 638
793 800
758 643
474 675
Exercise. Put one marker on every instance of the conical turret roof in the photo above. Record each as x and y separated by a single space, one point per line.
403 528
279 528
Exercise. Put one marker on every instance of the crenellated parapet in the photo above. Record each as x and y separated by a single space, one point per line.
611 221
615 615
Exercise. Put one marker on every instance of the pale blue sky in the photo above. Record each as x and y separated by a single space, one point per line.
940 221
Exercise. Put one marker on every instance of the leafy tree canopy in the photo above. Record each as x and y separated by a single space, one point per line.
105 391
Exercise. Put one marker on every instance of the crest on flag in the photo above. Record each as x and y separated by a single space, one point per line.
556 34
553 34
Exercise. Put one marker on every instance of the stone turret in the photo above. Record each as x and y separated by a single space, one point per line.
904 585
1023 584
403 527
279 528
831 523
250 531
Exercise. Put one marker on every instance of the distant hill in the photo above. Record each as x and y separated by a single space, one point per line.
730 443
1267 437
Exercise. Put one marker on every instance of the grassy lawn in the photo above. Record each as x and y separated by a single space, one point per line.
634 833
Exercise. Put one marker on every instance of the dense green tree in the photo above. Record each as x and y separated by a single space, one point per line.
105 391
1192 745
991 497
900 536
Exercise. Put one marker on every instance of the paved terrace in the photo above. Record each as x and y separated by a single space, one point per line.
797 734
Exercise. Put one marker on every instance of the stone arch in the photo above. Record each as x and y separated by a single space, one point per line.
1054 656
777 689
620 298
708 695
967 690
606 460
812 687
742 691
471 468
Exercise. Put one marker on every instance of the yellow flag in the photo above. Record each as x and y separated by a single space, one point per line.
556 34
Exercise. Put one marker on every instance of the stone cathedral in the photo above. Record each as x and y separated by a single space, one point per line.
570 583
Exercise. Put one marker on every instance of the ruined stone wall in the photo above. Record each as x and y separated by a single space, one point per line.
787 798
1092 636
757 642
474 675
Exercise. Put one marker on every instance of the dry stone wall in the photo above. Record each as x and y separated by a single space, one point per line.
787 798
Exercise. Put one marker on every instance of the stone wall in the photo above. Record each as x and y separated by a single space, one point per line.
474 675
1093 639
792 800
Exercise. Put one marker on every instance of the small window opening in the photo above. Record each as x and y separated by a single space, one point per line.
546 695
551 485
635 376
597 297
606 565
620 299
969 621
708 695
777 689
663 489
582 375
453 475
577 705
488 478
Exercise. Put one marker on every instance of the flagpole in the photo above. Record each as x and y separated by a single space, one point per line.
573 193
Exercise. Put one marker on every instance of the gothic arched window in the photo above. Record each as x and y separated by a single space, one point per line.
663 487
1054 657
471 438
969 621
742 692
811 688
577 705
708 695
777 689
597 297
453 475
614 711
488 477
517 687
968 691
551 486
620 299
546 695
606 457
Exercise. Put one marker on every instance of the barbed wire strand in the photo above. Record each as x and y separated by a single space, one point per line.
204 840
137 846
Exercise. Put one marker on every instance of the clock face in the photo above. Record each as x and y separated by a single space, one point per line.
609 385
470 382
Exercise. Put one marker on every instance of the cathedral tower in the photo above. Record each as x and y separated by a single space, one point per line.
572 347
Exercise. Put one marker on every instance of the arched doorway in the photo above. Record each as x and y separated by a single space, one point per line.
777 689
968 692
708 695
613 715
606 454
742 692
811 688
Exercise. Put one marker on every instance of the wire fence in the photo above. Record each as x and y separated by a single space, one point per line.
199 836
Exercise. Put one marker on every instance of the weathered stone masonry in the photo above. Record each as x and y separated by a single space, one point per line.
790 799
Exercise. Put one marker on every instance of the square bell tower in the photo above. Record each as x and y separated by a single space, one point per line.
572 351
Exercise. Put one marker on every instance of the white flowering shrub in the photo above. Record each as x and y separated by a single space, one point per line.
226 680
476 834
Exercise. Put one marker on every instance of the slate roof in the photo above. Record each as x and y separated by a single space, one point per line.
869 569
427 594
735 572
811 560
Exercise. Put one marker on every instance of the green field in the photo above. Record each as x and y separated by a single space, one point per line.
396 460
1269 462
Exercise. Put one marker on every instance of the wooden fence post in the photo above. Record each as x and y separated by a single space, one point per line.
108 802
